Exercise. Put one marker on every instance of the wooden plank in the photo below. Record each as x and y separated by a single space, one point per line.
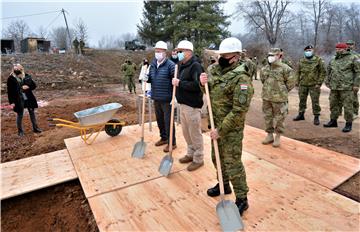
325 167
37 172
107 164
279 201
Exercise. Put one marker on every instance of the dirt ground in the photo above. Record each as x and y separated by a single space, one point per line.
64 207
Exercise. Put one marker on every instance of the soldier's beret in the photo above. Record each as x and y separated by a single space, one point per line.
309 47
350 42
275 51
341 45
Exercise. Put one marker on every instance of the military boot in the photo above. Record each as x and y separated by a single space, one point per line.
242 205
316 120
276 142
299 117
331 123
20 133
269 139
348 127
215 191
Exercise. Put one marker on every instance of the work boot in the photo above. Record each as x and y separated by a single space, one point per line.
348 127
242 205
167 148
193 166
161 142
331 123
269 139
299 117
316 120
21 133
37 130
215 191
186 159
276 142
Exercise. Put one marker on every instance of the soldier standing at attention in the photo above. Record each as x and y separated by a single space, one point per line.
231 91
277 79
129 69
76 45
351 48
309 77
343 80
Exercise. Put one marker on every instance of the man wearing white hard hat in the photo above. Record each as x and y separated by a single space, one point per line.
161 72
231 91
189 96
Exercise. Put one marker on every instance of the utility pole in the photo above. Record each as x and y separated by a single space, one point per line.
67 27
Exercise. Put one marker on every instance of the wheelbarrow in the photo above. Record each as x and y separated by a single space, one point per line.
92 121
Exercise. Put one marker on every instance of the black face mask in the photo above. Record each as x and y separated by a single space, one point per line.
224 63
146 63
17 72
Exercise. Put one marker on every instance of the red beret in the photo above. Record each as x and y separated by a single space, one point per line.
341 45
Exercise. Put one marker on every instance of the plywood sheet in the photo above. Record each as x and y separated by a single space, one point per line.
322 166
33 173
107 164
279 201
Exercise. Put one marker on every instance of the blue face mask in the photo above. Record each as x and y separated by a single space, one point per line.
308 54
181 56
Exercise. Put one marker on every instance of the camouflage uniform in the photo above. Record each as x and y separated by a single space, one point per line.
356 99
343 75
250 65
278 79
129 69
231 91
309 77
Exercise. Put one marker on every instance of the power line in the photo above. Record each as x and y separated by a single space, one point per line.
22 16
57 16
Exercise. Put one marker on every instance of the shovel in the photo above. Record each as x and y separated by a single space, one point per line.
167 161
227 212
139 148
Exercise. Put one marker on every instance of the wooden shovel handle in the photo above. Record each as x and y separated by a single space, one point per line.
216 148
143 112
172 114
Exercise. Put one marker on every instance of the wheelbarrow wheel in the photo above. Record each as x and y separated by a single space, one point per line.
111 130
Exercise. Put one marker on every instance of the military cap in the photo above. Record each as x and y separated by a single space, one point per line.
350 42
341 45
309 47
274 51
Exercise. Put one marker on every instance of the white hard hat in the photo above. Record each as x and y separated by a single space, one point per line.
184 44
161 45
230 45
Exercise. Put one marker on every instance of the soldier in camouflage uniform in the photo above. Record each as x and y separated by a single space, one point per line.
284 60
231 91
343 79
250 65
278 79
309 77
351 48
129 69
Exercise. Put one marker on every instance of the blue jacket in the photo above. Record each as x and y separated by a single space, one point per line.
160 79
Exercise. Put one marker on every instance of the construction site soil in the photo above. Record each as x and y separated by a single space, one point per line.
68 83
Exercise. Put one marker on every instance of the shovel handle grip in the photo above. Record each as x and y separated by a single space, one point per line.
172 113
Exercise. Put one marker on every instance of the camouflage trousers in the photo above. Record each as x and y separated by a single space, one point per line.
274 114
339 99
356 102
315 96
130 83
230 150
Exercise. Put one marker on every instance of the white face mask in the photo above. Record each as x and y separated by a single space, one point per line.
272 59
159 56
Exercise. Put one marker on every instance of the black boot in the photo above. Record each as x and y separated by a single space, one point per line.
299 117
331 123
215 191
20 133
37 130
316 120
348 127
242 204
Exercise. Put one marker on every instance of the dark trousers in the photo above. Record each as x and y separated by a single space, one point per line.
163 113
20 116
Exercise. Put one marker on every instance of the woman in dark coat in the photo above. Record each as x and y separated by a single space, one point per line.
19 87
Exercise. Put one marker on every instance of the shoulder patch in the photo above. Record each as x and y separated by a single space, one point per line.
243 86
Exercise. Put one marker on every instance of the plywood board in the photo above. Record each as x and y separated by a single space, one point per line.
279 201
107 165
322 166
37 172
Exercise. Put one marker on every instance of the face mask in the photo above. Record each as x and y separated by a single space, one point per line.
308 54
224 62
271 59
181 56
174 56
159 56
17 72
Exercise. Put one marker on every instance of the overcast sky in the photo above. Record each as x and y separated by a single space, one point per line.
114 17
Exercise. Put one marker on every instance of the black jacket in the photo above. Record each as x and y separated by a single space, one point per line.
14 89
188 92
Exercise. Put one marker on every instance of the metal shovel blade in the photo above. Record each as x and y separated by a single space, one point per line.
229 216
166 165
139 150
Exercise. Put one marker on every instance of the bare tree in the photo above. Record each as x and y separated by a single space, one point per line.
41 32
60 37
81 30
269 16
17 30
353 23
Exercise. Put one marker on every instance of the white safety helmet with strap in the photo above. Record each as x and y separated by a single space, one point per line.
184 44
230 45
161 45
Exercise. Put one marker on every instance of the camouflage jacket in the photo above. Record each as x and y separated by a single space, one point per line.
311 71
250 65
278 79
128 69
231 91
343 72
